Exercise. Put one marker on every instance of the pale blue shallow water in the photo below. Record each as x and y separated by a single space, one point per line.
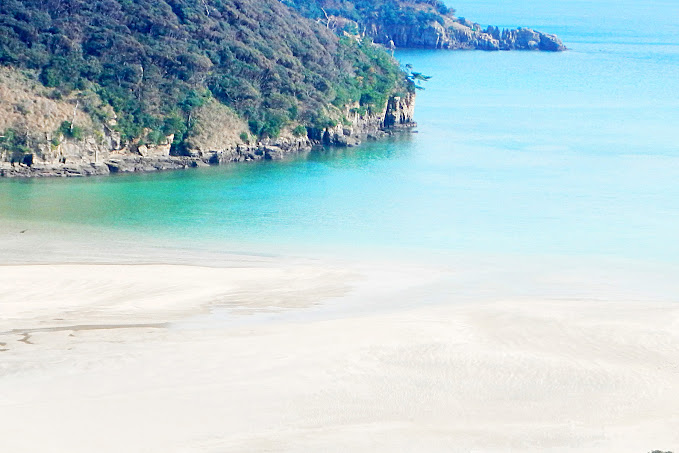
517 153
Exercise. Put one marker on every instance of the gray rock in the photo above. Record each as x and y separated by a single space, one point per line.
398 114
462 34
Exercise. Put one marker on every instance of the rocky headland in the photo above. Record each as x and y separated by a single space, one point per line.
112 86
428 24
465 35
118 87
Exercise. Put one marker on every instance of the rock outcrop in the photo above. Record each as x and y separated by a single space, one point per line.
457 34
106 155
397 115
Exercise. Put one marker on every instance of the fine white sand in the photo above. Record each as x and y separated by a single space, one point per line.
308 357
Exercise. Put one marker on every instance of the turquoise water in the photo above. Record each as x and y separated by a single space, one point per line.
517 153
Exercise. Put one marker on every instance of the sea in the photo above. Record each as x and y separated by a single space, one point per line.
521 155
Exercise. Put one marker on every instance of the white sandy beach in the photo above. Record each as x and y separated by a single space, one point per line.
301 357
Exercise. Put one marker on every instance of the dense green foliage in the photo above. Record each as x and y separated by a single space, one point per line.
155 61
385 12
70 130
14 144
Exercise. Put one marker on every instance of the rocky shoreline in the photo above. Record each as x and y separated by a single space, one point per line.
449 33
88 159
466 36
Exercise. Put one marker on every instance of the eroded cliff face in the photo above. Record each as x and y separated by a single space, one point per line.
99 153
104 153
460 34
397 115
400 112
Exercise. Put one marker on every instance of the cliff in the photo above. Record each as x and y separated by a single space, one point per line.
217 140
462 36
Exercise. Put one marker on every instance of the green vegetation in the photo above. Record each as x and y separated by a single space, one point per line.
299 131
67 129
383 12
14 145
375 76
155 61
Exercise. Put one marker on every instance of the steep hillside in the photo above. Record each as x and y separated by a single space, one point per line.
419 23
124 75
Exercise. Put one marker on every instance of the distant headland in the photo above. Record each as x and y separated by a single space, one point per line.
420 24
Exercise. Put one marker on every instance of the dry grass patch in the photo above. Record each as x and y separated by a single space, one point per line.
216 127
26 107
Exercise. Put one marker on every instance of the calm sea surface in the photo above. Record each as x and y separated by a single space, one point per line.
518 153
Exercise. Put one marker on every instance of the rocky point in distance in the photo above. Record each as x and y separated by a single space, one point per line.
426 24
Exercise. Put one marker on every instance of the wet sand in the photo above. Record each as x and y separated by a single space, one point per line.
309 356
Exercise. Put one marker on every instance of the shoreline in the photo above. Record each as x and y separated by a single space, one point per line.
300 353
129 163
397 116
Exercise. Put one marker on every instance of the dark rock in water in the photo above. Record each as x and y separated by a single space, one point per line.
114 166
551 43
273 153
43 170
